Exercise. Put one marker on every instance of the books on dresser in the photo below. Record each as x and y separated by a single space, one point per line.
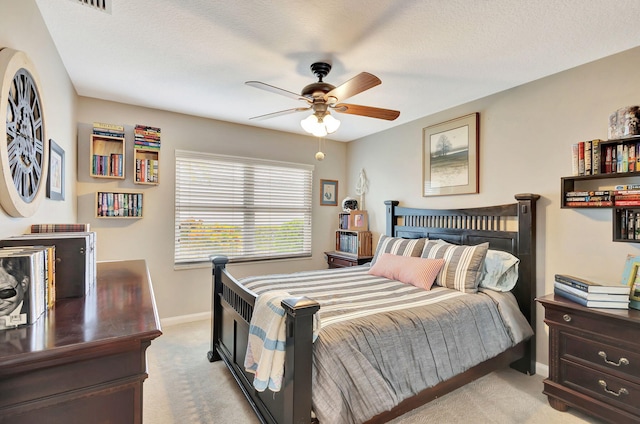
75 259
591 294
23 285
591 286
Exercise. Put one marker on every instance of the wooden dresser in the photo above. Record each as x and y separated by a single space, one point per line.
594 359
84 361
342 260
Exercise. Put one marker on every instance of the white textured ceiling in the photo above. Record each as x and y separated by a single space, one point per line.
193 56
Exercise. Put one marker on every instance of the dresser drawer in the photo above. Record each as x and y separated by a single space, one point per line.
599 325
615 391
607 358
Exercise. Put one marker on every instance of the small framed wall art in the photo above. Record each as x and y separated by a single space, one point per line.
55 178
631 278
450 157
328 193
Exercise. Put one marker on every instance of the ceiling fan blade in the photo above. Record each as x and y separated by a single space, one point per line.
361 82
282 112
372 112
271 88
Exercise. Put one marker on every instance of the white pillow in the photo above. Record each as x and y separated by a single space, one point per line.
500 271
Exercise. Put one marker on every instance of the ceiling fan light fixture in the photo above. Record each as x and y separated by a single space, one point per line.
320 127
331 123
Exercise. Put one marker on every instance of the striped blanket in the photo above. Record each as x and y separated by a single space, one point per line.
266 344
382 341
348 293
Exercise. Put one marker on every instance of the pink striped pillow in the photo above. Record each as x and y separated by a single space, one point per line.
419 272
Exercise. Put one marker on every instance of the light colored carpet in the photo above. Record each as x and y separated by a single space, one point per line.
185 388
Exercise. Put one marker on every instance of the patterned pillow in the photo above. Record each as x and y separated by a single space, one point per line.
398 246
419 272
462 266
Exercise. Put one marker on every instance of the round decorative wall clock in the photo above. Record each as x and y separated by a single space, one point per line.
24 156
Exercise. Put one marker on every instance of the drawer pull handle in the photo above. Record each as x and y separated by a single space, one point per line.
621 361
566 317
622 391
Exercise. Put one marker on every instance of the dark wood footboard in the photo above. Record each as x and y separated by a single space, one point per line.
232 310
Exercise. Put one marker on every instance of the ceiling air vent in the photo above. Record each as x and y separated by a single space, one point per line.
102 5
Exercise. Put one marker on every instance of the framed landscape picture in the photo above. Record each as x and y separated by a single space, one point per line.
328 193
450 157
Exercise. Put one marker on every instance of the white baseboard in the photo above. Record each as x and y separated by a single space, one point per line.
542 370
182 319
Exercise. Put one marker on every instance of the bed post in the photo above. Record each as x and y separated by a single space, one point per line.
296 387
219 263
392 219
526 293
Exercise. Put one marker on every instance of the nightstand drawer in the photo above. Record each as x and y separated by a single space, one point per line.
597 325
615 391
339 262
607 358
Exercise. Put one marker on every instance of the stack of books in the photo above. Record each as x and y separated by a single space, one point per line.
591 294
577 199
146 137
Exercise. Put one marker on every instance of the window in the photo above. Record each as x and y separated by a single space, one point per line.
245 209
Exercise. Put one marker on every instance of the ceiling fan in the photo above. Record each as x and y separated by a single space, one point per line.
321 97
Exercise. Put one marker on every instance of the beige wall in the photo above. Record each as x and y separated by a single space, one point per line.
525 139
185 292
22 28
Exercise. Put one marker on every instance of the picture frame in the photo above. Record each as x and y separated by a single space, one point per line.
358 221
631 278
328 193
55 177
450 154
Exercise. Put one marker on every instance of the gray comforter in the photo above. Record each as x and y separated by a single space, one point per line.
382 341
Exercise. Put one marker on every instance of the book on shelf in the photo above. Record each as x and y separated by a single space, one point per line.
591 286
592 303
588 193
148 128
589 204
622 187
587 157
146 145
607 297
623 202
574 160
105 126
107 133
595 161
581 158
59 228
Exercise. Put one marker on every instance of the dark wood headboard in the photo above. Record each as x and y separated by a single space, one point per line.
510 228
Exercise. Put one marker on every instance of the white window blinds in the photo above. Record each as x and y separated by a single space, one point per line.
243 208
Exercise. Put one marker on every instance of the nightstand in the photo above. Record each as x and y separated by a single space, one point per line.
342 260
594 359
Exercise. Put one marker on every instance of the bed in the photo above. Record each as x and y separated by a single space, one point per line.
508 228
